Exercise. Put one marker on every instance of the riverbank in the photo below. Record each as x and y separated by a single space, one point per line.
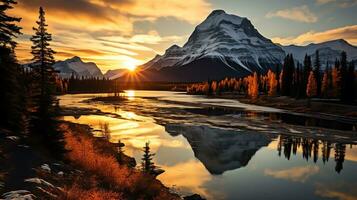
317 106
91 168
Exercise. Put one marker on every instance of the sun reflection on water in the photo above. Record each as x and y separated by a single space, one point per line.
130 94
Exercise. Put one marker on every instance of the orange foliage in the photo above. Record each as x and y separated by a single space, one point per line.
311 89
324 86
253 86
118 178
336 82
273 83
75 192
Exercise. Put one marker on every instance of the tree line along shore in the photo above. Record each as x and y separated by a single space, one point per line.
43 157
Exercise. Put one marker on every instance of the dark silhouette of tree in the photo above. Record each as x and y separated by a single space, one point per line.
8 27
12 101
287 75
326 150
317 72
43 122
344 78
278 71
306 73
350 86
340 151
120 150
147 164
316 150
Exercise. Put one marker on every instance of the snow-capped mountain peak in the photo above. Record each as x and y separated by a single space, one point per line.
218 16
75 66
329 51
223 45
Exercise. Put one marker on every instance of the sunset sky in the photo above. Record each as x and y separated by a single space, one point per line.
122 33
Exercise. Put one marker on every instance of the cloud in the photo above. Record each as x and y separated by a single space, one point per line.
295 174
339 3
300 14
337 190
106 26
349 33
321 2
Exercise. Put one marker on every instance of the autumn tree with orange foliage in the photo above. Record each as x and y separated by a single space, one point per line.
273 83
253 86
336 82
325 85
311 89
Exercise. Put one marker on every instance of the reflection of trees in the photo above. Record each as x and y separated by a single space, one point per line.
340 150
311 148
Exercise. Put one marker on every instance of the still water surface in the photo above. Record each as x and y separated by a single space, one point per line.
223 149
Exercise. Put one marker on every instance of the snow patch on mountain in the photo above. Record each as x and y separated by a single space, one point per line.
328 51
231 39
75 66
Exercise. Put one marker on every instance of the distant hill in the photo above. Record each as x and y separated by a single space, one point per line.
75 66
328 51
114 74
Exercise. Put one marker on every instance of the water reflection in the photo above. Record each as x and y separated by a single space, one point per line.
218 149
312 149
225 155
130 94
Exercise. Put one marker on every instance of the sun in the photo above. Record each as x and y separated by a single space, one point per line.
131 65
131 68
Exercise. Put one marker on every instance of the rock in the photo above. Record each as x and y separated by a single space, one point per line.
193 197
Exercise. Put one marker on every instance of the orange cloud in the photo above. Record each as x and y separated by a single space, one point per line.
348 33
300 14
98 24
296 174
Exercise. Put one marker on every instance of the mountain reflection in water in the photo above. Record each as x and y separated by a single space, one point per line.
224 153
220 150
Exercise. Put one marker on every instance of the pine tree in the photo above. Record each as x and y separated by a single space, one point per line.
12 101
306 73
147 164
8 28
336 82
120 150
287 75
317 72
344 78
350 83
43 121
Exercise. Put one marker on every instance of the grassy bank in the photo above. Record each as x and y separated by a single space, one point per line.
99 161
92 169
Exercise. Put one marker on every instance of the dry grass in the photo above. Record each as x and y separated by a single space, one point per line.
109 179
76 192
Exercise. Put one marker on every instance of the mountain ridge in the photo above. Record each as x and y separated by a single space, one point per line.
75 66
229 41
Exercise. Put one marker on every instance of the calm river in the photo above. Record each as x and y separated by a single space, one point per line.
223 149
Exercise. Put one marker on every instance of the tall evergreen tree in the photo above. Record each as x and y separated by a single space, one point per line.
344 78
350 87
278 71
306 72
44 121
147 164
12 99
287 75
317 72
8 27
